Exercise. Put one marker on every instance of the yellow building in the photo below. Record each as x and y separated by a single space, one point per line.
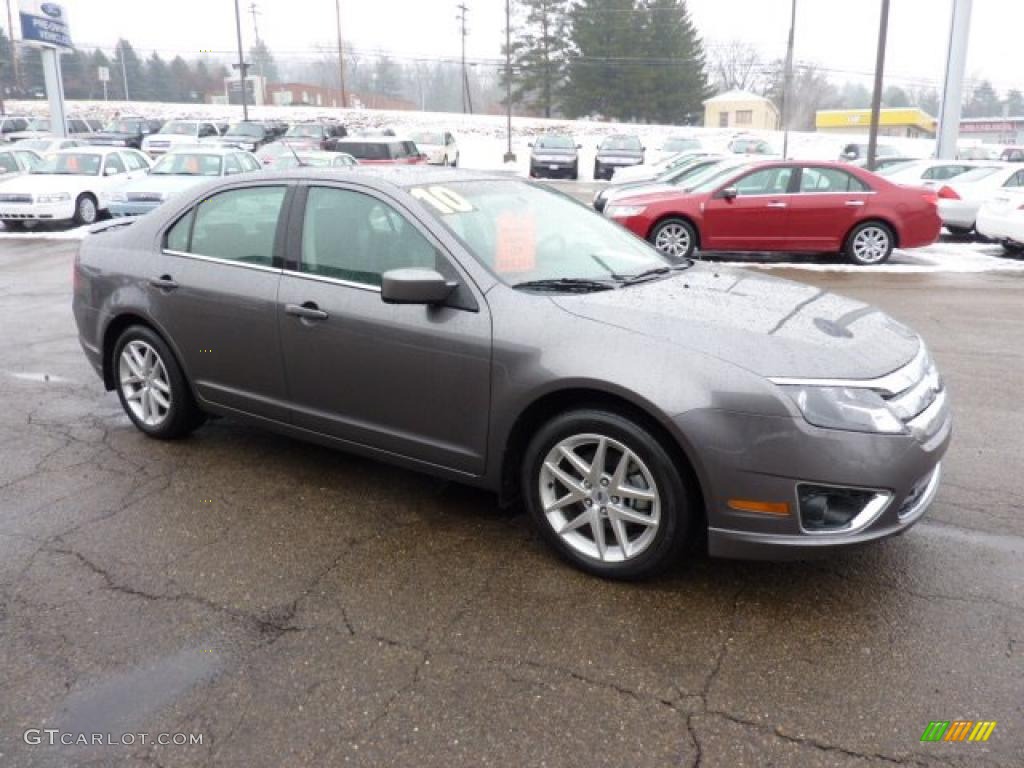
908 122
742 110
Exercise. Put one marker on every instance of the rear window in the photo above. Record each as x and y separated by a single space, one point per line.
366 150
977 174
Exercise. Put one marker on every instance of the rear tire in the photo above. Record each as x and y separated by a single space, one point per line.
675 238
869 244
958 231
1013 249
151 385
621 512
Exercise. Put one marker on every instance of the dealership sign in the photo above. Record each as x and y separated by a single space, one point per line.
44 24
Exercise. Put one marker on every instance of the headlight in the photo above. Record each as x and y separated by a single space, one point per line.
56 197
848 408
624 211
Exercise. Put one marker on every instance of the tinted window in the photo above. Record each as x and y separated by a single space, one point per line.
351 236
829 180
768 181
365 150
239 225
115 162
177 236
1017 180
133 161
556 142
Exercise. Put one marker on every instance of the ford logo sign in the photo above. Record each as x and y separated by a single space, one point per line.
51 9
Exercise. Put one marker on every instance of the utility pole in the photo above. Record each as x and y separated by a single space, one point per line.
241 66
788 83
510 156
341 54
14 49
124 70
254 10
465 78
876 97
952 87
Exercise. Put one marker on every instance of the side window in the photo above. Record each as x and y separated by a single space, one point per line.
8 164
248 162
768 181
113 161
27 160
231 165
207 130
177 236
351 236
133 161
829 180
1017 180
238 225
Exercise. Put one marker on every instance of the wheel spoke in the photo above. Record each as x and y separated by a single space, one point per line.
133 364
597 528
628 515
632 492
579 464
159 398
135 394
563 477
597 465
619 529
584 517
162 385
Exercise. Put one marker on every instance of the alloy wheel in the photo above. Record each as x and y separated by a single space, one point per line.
871 245
144 383
600 497
673 240
87 210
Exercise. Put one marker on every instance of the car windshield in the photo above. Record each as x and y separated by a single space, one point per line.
38 124
680 145
977 174
181 129
245 129
556 142
522 232
307 130
69 164
621 143
314 161
679 170
187 164
124 126
428 137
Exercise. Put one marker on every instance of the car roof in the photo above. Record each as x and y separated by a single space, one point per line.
401 177
93 149
370 139
204 149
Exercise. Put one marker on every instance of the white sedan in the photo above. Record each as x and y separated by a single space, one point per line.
69 185
1001 218
439 147
928 173
962 196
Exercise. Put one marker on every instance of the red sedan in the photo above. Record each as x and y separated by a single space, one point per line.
786 206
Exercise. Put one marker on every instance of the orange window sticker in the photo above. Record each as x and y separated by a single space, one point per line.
516 246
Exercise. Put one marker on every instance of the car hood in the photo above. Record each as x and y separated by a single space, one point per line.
769 326
643 189
555 153
168 184
172 138
45 182
111 135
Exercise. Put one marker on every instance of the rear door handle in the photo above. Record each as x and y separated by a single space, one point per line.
855 203
164 283
775 204
307 311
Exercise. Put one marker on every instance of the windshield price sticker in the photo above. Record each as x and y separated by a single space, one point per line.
515 248
442 199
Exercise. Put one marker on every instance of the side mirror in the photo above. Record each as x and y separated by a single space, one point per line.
729 193
412 285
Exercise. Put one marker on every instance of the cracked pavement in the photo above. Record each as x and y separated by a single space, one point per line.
303 607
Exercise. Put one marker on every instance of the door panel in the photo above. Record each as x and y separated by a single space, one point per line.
756 219
829 203
407 379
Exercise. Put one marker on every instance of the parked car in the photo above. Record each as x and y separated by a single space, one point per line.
378 151
648 171
1001 218
675 179
271 154
750 145
788 207
1012 155
39 128
439 147
673 145
859 151
69 185
926 172
175 172
769 417
12 124
962 196
885 163
15 162
178 133
315 134
977 152
249 135
45 146
619 151
125 132
308 159
554 155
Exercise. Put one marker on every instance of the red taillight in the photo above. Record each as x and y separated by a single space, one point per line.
948 193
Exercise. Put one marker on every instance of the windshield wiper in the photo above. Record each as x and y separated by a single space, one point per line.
568 284
649 274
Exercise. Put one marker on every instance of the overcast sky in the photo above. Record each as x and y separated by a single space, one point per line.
837 34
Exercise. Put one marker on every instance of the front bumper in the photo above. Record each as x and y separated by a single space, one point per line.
743 456
38 211
553 168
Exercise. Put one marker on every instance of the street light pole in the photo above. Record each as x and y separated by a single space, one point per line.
341 56
788 83
465 79
510 156
14 49
952 88
876 97
124 72
241 61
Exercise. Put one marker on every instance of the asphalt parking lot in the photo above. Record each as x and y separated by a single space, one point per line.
301 607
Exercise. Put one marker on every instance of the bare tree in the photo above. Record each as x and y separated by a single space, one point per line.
736 66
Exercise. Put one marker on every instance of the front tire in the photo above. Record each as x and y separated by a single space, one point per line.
869 244
675 238
86 210
152 387
606 494
14 225
958 231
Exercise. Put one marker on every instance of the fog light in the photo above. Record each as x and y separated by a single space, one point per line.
825 509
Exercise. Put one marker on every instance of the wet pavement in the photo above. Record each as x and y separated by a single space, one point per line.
296 606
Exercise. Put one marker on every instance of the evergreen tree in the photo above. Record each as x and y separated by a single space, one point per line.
601 69
539 51
263 63
180 81
894 96
1014 103
387 77
673 89
126 65
33 83
158 79
983 102
6 70
77 74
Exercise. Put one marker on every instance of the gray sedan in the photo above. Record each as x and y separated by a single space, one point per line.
493 332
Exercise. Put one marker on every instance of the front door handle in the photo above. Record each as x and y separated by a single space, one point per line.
855 203
164 283
307 311
775 204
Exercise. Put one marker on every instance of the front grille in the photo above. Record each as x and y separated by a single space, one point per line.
14 198
145 197
916 394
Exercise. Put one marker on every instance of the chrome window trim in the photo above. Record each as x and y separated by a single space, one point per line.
332 280
891 384
217 260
